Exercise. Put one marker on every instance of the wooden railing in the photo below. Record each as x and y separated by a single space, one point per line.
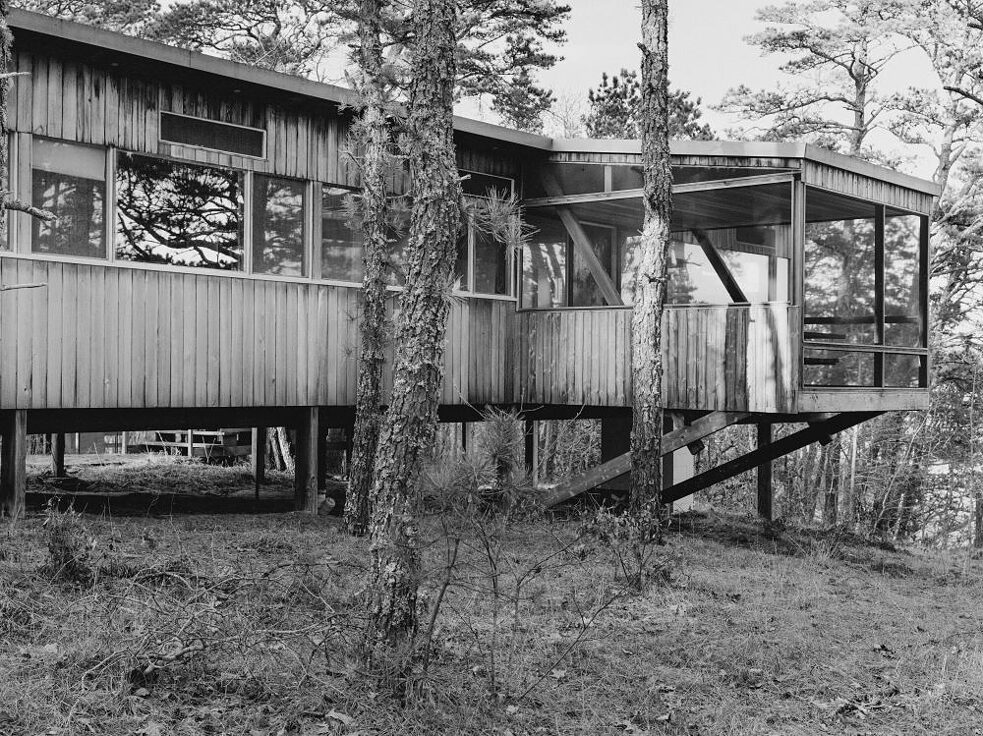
732 358
729 357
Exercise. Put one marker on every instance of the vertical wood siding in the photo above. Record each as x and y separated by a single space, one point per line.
83 103
733 358
115 337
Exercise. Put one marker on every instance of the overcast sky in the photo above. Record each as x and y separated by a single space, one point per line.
707 53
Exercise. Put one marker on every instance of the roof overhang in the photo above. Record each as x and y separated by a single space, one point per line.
103 41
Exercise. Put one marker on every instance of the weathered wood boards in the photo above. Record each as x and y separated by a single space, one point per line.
717 358
87 103
101 336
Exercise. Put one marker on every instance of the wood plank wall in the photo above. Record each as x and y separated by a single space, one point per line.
75 101
102 336
734 358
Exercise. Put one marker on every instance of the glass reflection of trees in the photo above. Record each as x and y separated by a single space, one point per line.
341 237
77 204
544 266
839 277
902 290
278 226
176 213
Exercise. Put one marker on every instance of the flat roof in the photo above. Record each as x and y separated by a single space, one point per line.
78 33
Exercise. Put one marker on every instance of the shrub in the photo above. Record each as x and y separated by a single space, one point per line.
69 546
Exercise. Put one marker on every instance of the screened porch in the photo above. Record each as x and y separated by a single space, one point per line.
777 288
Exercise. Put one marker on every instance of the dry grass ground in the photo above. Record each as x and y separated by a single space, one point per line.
240 624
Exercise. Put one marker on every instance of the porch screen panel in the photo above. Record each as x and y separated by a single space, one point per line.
176 213
731 236
902 280
838 368
278 226
839 269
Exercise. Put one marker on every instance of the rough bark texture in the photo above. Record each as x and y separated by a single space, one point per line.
368 398
409 426
650 285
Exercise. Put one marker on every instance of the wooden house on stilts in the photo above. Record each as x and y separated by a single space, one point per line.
202 271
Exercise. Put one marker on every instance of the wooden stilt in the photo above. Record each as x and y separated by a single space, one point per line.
13 463
58 455
321 443
765 490
305 465
349 446
530 446
259 457
615 441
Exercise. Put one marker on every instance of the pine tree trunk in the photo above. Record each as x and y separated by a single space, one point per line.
409 425
978 520
650 279
368 398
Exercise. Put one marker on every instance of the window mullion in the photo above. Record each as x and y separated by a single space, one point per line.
110 203
879 227
247 222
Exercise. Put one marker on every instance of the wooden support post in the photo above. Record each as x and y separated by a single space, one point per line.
615 441
765 490
530 447
322 456
464 438
349 446
125 443
58 455
305 467
13 463
258 457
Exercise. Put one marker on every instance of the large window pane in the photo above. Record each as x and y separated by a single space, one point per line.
461 261
692 279
839 269
70 182
741 235
278 226
183 214
341 240
491 271
585 291
544 266
902 282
